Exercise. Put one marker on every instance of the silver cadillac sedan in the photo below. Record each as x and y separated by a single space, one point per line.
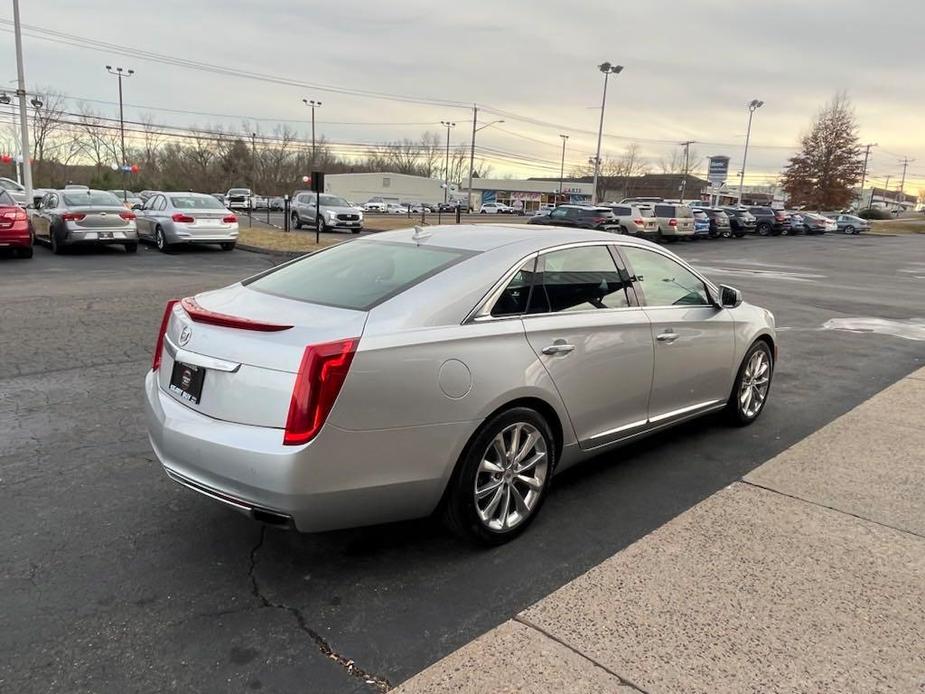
451 369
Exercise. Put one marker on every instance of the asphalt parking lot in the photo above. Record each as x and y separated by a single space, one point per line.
114 579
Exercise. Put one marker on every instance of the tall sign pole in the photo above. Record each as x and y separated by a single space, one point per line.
23 118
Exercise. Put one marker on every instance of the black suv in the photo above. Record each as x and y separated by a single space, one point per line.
770 222
740 220
580 216
719 222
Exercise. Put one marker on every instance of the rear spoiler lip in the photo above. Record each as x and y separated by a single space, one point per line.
198 314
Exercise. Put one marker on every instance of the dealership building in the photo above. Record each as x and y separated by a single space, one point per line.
386 187
532 193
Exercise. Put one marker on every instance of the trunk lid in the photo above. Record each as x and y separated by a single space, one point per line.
99 217
247 374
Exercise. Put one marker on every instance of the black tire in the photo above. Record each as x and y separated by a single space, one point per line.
624 230
734 410
25 252
161 241
764 229
131 247
739 234
227 246
849 229
296 222
355 231
56 246
460 509
482 212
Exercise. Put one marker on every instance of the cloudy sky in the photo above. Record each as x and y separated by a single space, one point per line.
690 69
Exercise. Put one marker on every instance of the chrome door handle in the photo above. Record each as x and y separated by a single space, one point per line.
558 348
667 336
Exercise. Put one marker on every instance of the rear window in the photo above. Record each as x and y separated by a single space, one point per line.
760 210
664 210
195 202
357 275
700 214
239 191
87 198
621 210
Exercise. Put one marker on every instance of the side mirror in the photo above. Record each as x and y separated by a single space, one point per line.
729 297
136 207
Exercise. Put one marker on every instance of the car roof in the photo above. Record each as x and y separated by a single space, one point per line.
486 237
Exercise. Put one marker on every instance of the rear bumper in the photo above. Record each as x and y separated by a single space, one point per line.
75 238
15 238
676 232
340 479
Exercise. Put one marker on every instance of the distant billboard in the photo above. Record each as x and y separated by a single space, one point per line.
718 170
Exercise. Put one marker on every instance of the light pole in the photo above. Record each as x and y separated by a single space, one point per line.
562 165
608 70
312 104
475 116
120 73
446 176
21 93
753 106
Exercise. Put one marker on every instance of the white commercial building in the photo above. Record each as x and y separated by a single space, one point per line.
530 192
387 187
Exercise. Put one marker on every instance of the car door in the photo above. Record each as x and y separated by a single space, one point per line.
586 328
558 217
47 215
694 339
38 220
143 220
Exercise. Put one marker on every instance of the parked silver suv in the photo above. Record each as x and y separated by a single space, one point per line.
336 213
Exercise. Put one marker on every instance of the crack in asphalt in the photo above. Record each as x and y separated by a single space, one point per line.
381 684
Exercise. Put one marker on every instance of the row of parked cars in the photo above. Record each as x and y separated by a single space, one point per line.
672 220
77 215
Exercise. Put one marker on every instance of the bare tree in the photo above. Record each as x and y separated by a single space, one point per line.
46 124
675 161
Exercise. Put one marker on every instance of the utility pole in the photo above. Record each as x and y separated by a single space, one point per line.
608 69
446 174
562 165
312 104
864 177
21 93
753 106
475 119
254 165
120 73
687 161
902 184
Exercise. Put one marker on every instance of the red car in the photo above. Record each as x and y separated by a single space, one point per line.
15 232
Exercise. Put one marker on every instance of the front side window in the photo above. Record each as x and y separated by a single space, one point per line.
559 213
578 279
664 281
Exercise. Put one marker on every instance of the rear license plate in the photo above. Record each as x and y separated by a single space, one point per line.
186 381
105 235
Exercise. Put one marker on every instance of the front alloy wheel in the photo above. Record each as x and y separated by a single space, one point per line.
752 385
502 478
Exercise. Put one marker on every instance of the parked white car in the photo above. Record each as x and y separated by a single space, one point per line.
496 208
375 206
544 210
395 208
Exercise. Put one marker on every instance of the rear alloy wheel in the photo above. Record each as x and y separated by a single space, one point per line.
56 246
296 222
849 229
750 392
763 230
502 478
161 241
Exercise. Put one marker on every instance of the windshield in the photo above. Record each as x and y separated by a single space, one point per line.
357 275
88 198
333 201
195 202
239 191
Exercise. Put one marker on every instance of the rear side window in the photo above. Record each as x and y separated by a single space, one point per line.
578 279
514 298
357 275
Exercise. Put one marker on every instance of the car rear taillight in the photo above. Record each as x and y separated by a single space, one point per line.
127 215
639 221
10 217
199 314
180 217
73 216
321 374
672 222
159 345
230 219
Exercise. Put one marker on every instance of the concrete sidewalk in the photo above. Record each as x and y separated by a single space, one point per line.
806 576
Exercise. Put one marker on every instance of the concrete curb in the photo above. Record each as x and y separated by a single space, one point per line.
805 575
286 255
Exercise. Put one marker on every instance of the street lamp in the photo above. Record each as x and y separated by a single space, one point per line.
562 165
120 73
475 118
312 104
753 106
446 177
608 70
